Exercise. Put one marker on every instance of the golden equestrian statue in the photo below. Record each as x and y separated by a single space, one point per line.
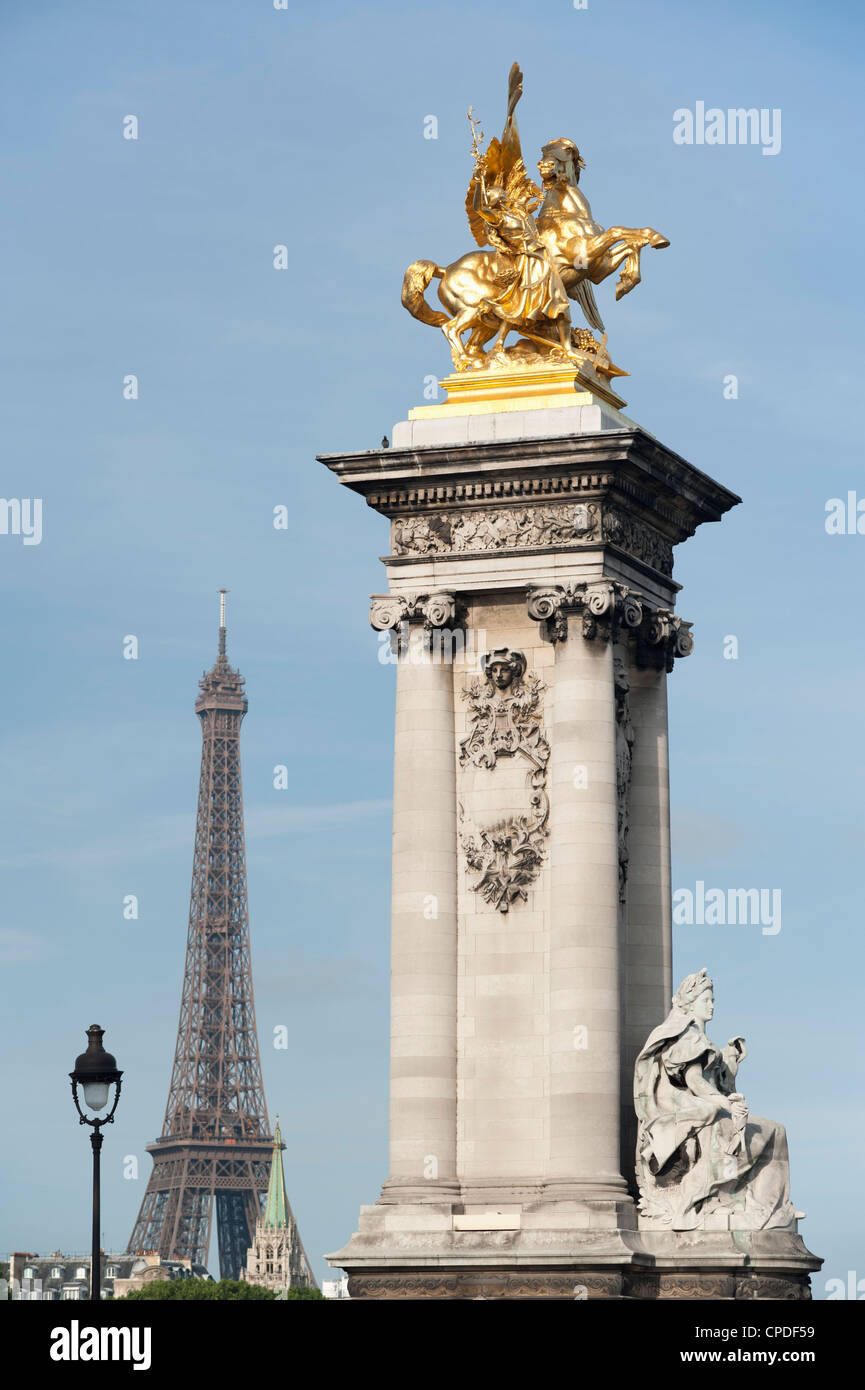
547 249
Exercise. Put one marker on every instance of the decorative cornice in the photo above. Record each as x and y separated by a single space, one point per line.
632 468
478 490
608 609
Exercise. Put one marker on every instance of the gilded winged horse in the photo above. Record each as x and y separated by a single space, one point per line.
537 262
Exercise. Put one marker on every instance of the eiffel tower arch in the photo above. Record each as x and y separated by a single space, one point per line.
216 1146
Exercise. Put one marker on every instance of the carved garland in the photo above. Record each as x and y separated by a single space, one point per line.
506 717
624 760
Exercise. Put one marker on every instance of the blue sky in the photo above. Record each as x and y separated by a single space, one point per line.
154 257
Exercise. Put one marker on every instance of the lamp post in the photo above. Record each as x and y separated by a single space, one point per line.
95 1072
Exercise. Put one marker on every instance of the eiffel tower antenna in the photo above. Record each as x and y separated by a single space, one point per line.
222 593
216 1147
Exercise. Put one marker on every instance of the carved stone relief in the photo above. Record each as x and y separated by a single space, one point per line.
641 541
483 1284
624 752
557 1284
533 527
503 529
506 721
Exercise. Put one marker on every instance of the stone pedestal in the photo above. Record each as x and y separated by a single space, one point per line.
531 605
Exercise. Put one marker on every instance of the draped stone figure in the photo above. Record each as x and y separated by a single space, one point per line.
703 1161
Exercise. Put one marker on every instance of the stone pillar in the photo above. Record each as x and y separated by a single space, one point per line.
557 976
649 935
423 1121
648 928
585 953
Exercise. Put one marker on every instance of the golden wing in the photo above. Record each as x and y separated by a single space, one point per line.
502 166
477 224
510 145
519 188
490 166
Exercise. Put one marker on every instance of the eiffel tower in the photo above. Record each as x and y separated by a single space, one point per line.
216 1140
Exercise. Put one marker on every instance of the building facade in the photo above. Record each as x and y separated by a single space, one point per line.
59 1277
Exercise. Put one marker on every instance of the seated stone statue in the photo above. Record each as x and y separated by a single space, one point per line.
704 1162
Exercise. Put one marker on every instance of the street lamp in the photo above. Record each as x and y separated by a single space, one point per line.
95 1072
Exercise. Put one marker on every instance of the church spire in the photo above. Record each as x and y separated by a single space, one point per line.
276 1258
276 1207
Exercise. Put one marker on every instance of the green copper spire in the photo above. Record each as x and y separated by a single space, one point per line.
276 1210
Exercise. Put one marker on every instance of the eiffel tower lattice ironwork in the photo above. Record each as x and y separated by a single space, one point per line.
216 1141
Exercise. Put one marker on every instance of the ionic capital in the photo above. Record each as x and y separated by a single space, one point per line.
389 611
663 636
605 606
610 611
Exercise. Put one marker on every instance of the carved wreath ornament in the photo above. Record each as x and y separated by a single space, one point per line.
505 716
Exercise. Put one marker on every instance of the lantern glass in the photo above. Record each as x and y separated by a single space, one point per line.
95 1094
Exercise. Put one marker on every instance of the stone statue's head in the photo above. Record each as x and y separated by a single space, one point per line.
560 162
503 668
695 995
